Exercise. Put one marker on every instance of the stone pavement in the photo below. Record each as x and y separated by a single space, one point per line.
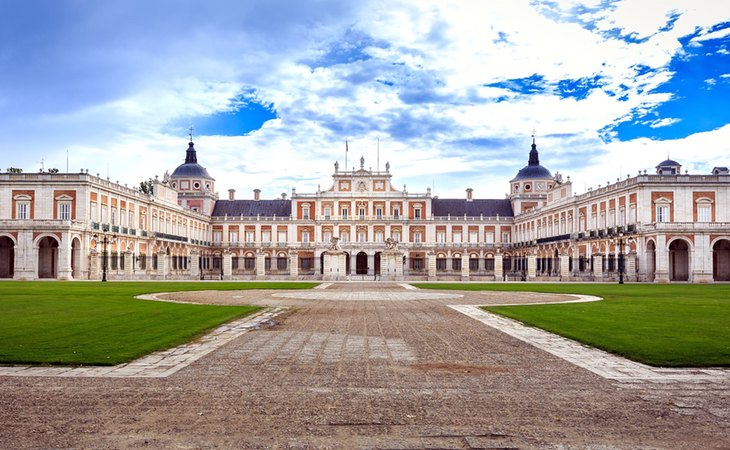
400 372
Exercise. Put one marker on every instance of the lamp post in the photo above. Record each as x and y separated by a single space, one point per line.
104 242
621 258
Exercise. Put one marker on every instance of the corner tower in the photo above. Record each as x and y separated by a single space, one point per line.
528 189
195 187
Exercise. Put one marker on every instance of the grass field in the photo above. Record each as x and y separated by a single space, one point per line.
93 323
668 325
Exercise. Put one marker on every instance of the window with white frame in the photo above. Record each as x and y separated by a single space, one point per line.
104 214
233 237
250 236
417 236
361 213
327 213
417 213
305 212
379 213
345 236
440 237
266 236
217 237
64 210
131 219
632 214
473 237
704 212
22 209
281 236
457 237
662 213
622 216
505 237
379 236
326 236
489 237
344 213
396 236
611 218
396 212
305 237
114 216
362 236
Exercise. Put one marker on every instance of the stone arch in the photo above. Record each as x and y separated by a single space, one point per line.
679 263
7 256
361 263
48 246
721 260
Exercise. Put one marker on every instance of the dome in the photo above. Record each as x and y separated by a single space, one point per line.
668 163
533 170
191 168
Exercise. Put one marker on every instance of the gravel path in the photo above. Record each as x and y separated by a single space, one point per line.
394 373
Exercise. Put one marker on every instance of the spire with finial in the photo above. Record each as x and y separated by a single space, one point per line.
190 156
534 157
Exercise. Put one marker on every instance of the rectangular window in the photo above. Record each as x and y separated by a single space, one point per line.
622 217
457 237
345 236
361 236
305 213
379 213
64 211
217 236
281 263
662 213
440 237
379 236
344 213
396 213
326 236
456 263
250 236
93 211
417 213
417 237
114 216
473 264
327 213
632 214
704 213
22 210
362 213
505 237
281 236
233 237
417 263
396 236
490 237
440 263
305 237
473 237
249 263
266 236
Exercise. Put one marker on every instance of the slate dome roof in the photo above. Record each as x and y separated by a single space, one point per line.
190 168
668 163
533 170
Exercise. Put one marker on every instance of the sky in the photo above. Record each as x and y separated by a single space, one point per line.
449 93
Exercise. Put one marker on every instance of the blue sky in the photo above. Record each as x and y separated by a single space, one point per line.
451 92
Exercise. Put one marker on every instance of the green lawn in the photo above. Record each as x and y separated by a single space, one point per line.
668 325
94 323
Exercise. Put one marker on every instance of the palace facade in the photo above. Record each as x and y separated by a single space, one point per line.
666 226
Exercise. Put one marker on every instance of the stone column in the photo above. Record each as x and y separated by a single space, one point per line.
227 265
630 265
431 265
531 267
353 263
564 266
128 264
163 265
94 268
498 269
194 264
260 265
293 264
64 257
598 266
465 266
661 271
701 260
26 257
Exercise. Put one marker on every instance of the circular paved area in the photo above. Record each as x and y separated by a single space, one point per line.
369 374
368 295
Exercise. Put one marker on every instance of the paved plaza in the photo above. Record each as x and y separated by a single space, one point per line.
368 365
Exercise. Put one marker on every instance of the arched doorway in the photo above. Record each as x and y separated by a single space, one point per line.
721 260
347 263
376 263
650 260
321 264
48 257
7 257
75 259
361 263
679 260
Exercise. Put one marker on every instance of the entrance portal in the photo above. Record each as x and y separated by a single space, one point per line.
721 260
7 257
678 261
48 257
377 263
361 264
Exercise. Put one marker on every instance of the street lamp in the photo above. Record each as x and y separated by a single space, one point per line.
104 242
621 258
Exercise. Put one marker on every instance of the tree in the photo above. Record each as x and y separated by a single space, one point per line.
14 170
147 187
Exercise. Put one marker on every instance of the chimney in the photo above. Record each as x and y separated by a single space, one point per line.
257 194
469 192
231 194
